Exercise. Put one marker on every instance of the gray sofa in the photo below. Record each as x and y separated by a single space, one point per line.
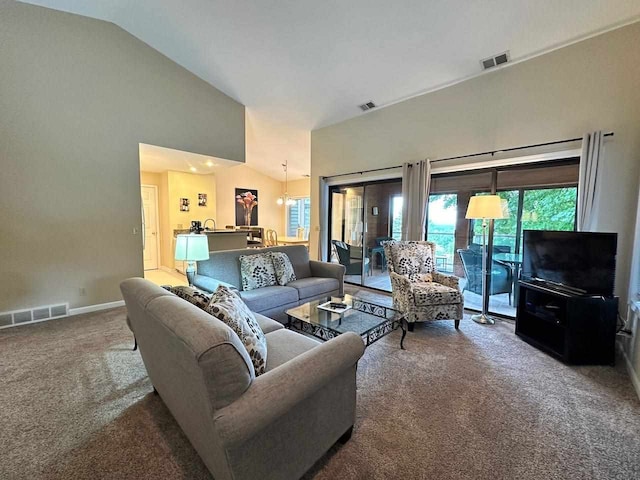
313 280
275 426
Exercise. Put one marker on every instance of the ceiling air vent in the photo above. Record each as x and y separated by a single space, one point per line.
494 61
367 106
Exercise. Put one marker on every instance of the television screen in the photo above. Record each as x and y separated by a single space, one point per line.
583 260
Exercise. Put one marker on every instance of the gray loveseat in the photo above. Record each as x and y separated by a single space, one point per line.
275 426
313 280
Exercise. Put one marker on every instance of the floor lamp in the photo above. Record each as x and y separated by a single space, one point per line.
485 207
192 248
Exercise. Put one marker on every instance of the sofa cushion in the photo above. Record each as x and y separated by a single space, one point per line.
257 271
430 293
266 298
284 345
314 286
228 307
267 324
283 268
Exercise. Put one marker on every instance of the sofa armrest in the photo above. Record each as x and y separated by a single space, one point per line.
283 388
210 284
450 281
328 270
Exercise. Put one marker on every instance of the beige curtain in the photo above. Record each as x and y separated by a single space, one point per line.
590 160
415 196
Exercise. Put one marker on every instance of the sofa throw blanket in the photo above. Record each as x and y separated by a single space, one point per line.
257 271
283 268
228 307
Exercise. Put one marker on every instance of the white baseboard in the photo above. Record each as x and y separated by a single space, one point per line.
632 373
96 308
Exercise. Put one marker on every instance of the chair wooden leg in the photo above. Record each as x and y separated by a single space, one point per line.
410 326
457 324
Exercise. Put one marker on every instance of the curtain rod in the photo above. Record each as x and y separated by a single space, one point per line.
492 152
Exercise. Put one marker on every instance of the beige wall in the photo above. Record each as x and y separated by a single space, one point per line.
77 96
242 176
187 185
587 86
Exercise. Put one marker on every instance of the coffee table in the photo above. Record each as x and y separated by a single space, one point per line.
366 318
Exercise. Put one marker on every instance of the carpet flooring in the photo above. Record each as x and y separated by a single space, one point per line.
478 403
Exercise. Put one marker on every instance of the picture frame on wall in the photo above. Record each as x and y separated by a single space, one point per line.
202 199
184 204
246 200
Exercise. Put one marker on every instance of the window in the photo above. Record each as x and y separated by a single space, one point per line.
298 215
396 217
441 228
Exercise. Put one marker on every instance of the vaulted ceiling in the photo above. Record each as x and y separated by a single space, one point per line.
305 64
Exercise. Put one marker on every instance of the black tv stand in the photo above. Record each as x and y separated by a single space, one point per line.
576 329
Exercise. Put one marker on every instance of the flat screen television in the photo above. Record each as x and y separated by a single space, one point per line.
580 260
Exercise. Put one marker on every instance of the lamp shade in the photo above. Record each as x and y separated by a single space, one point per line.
485 206
192 247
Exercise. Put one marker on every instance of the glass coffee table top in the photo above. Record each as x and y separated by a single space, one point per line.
368 319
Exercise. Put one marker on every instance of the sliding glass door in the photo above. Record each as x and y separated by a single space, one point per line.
363 216
540 198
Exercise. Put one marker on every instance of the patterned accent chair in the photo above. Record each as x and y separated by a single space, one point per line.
418 290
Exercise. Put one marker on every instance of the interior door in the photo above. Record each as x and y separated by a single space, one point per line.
150 226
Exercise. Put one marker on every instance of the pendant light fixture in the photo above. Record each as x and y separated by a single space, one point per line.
285 199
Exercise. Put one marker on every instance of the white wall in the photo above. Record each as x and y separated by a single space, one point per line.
77 96
591 85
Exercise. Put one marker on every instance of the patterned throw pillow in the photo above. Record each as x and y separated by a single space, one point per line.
428 265
228 307
408 257
257 271
283 268
192 295
421 277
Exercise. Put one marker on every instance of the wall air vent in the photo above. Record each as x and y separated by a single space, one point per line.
494 61
367 106
46 312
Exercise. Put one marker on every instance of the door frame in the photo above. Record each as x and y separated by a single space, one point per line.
155 187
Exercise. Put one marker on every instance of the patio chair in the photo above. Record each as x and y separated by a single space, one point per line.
353 264
378 249
501 275
418 290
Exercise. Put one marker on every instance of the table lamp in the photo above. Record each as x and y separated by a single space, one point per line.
191 248
485 207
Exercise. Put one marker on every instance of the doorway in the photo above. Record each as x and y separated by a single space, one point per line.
151 244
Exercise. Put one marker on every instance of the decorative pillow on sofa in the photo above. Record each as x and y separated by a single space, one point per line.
228 307
192 295
257 271
283 268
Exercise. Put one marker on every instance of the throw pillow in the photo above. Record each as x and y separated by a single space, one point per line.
283 267
257 271
408 257
428 265
192 295
228 307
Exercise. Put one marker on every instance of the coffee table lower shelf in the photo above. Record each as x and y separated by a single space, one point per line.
369 337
